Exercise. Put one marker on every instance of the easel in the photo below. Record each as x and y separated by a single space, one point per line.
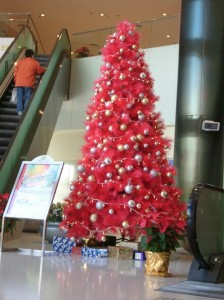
32 194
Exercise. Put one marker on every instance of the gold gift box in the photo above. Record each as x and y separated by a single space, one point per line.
120 252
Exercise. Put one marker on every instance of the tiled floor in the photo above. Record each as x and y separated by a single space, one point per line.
27 276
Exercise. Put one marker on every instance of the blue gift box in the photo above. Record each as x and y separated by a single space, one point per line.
63 244
94 252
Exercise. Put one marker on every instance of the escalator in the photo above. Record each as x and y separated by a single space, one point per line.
9 119
24 138
205 228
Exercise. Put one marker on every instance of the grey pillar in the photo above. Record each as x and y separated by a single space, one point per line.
198 154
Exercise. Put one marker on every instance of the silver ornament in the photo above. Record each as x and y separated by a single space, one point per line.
141 117
107 161
81 168
130 168
78 205
128 189
72 188
103 239
138 157
153 173
131 203
143 75
164 194
100 204
145 169
122 38
126 147
93 150
111 211
138 205
109 175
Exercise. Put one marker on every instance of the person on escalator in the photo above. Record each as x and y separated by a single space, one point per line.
25 77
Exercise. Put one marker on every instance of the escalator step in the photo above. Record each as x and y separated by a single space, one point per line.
8 125
4 141
8 104
10 118
7 111
2 150
6 133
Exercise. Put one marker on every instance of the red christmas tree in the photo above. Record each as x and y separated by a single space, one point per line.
124 179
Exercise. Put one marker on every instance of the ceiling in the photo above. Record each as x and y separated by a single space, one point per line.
84 15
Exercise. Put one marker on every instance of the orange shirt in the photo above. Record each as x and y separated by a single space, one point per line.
26 70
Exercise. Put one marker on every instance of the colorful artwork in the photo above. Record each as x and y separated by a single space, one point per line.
34 190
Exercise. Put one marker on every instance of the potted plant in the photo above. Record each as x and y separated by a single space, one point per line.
9 223
55 217
159 239
82 52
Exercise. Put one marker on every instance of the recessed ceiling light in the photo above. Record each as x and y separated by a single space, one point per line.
168 36
102 15
42 15
164 14
11 19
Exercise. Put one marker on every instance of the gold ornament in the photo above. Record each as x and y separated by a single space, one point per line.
121 170
123 127
91 178
125 224
120 147
139 137
114 98
145 101
108 113
93 217
122 77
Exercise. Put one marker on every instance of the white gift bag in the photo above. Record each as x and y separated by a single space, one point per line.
14 96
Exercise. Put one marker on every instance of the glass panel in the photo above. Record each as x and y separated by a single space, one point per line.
24 39
153 33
